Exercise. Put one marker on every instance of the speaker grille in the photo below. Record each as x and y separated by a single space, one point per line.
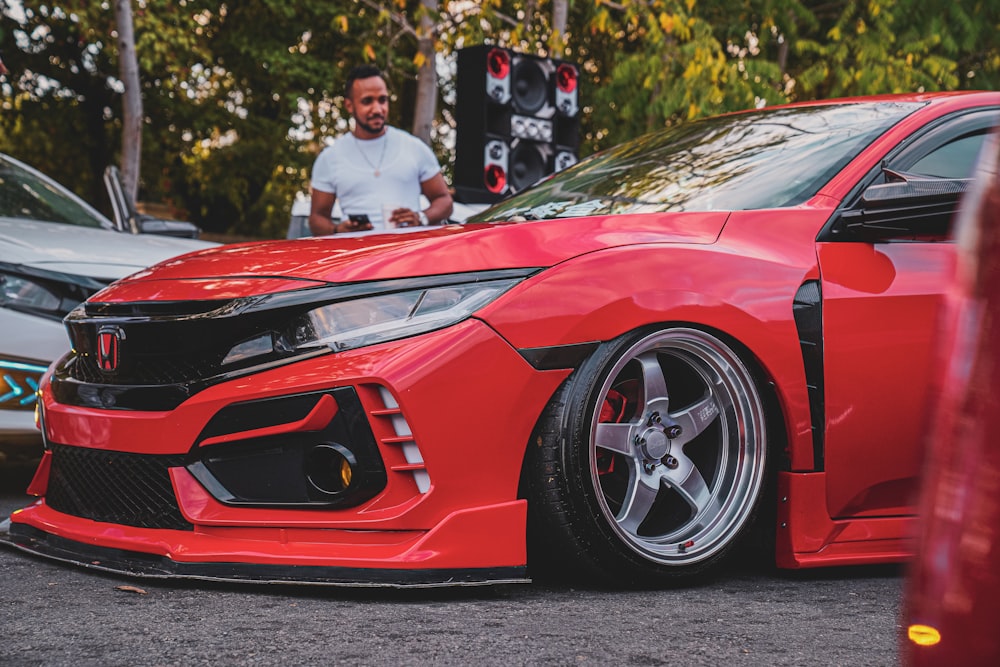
526 103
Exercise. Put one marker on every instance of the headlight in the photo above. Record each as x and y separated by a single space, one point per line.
44 293
20 292
377 319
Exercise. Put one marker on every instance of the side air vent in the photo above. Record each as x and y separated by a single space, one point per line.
807 308
402 438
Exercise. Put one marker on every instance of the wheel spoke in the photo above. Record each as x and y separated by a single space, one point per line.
614 437
638 502
654 384
689 483
695 418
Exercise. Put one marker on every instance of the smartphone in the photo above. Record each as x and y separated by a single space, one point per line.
360 219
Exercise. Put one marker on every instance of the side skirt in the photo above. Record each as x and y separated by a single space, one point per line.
808 537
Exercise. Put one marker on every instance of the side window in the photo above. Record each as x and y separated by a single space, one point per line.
950 149
955 159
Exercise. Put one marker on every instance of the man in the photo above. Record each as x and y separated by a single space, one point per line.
378 171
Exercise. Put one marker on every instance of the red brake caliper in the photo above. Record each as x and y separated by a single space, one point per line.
613 411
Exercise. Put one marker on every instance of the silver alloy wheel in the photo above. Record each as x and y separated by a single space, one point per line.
677 446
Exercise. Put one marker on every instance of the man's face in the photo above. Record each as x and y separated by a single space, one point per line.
369 104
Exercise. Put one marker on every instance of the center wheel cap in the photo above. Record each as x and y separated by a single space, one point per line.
655 444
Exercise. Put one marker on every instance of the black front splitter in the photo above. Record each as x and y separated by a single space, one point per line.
148 566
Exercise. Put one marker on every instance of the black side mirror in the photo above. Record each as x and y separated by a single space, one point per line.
181 228
127 219
909 206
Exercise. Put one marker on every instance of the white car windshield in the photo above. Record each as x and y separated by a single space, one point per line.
26 193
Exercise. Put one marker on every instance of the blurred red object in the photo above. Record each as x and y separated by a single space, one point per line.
953 594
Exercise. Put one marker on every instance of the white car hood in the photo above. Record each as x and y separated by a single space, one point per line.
85 251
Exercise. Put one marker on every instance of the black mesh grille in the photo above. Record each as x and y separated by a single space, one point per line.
115 487
149 369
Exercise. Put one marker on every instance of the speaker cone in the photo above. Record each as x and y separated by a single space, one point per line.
527 165
530 90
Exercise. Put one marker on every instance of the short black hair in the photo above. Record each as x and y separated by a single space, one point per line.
361 72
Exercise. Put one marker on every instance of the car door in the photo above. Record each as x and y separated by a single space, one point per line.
881 296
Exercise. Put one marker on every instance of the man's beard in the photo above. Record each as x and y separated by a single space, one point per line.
370 129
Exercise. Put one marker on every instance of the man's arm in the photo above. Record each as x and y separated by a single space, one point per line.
321 212
321 216
441 205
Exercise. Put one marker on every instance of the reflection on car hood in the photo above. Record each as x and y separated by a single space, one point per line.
85 251
272 266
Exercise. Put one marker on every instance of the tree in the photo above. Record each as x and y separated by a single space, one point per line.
427 79
59 111
131 100
239 97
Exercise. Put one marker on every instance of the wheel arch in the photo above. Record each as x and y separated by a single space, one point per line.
774 407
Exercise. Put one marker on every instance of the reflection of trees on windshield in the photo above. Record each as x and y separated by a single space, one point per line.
762 159
24 195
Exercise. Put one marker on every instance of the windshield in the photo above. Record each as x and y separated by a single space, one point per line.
756 160
25 193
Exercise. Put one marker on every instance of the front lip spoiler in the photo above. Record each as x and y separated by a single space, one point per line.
146 566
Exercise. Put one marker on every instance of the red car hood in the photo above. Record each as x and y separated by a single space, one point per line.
274 266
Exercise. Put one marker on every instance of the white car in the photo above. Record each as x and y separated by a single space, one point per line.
55 251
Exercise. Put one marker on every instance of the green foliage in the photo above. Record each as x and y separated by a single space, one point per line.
239 96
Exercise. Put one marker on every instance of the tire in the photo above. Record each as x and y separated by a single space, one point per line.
648 466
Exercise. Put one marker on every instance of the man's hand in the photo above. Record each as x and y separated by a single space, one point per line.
353 224
403 217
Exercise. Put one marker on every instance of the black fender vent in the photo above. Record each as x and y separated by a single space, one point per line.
807 309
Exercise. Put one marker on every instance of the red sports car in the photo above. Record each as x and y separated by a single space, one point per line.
622 374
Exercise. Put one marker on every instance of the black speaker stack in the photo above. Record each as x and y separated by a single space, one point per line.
518 120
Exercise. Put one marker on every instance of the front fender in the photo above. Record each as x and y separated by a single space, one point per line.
746 298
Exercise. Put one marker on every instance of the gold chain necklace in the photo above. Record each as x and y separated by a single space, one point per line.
377 168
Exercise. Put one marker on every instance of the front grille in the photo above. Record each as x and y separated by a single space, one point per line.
115 487
157 353
185 350
154 369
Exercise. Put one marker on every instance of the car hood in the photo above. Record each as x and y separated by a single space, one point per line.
273 266
86 251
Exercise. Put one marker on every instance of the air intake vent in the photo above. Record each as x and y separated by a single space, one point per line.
115 487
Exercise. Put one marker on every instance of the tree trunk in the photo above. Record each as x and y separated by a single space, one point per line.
427 81
128 66
560 14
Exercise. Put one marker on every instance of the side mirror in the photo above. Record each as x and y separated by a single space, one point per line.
127 219
908 207
183 229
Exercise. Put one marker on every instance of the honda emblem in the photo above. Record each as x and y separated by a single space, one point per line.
109 348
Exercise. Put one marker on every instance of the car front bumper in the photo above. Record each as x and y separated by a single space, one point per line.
450 413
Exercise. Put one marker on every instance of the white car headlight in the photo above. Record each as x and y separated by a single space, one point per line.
20 292
43 293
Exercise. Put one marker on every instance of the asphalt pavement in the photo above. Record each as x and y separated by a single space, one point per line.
53 614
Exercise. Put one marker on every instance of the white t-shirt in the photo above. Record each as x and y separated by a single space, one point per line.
347 170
